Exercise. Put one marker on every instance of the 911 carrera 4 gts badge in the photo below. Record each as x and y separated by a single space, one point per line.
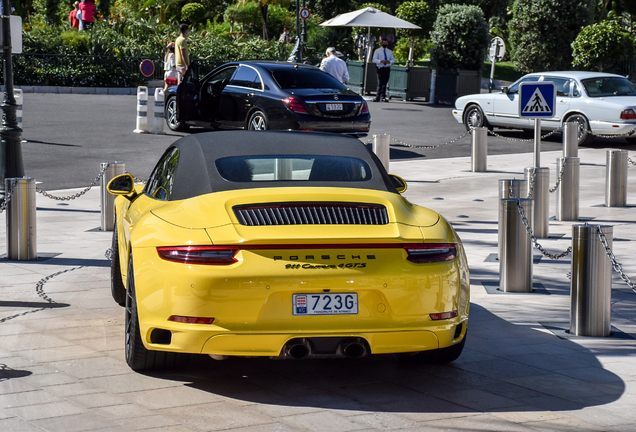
325 266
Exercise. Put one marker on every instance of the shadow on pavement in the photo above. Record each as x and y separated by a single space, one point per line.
550 374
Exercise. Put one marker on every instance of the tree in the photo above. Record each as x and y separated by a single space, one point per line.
491 8
418 13
599 44
460 37
542 31
264 5
193 12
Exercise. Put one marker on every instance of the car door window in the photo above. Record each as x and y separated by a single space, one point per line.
245 77
159 184
562 85
222 76
576 90
514 89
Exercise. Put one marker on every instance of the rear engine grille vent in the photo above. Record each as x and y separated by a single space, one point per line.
311 214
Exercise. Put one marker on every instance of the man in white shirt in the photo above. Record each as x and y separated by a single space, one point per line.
383 59
335 66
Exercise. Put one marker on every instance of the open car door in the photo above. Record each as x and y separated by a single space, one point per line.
188 95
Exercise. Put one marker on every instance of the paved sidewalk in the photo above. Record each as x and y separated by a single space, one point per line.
62 363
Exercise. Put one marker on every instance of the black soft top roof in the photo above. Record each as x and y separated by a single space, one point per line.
196 172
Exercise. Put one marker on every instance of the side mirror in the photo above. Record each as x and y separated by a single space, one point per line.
123 184
504 89
398 182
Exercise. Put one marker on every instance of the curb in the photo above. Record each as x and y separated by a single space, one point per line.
85 90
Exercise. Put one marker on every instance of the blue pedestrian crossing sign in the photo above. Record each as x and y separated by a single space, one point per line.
537 99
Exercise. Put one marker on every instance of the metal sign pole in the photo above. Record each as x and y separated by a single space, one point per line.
364 63
537 142
11 165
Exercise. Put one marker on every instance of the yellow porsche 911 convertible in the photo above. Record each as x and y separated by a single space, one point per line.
282 244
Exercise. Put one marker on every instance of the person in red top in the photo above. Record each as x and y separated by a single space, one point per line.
88 8
72 19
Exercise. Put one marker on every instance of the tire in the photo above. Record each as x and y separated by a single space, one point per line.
137 355
584 127
117 288
474 117
170 113
258 121
631 140
437 356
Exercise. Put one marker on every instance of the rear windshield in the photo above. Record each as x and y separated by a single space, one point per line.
305 78
613 86
293 168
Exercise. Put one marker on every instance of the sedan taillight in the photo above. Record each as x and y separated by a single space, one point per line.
365 108
628 114
207 255
430 252
294 105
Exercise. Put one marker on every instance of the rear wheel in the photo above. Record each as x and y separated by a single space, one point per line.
258 121
474 117
116 283
437 356
170 113
137 355
584 126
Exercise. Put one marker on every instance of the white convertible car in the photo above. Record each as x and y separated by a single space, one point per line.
601 103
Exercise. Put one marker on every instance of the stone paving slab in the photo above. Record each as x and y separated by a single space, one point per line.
62 368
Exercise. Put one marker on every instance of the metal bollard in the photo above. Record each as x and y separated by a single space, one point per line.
21 219
570 139
19 100
591 286
541 196
142 110
518 187
381 143
479 155
616 178
158 120
568 191
107 200
515 246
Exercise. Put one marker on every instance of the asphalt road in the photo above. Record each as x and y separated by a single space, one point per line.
68 136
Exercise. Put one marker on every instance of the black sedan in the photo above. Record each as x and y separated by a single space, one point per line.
259 95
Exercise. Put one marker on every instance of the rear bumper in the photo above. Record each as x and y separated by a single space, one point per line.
358 128
202 340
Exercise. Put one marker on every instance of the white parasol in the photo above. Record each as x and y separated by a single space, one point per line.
368 17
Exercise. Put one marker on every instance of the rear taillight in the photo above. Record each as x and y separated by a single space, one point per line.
209 255
628 114
294 105
443 315
365 108
191 320
430 252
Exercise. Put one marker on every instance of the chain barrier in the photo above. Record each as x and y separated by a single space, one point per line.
109 254
524 219
615 265
533 178
7 196
39 289
559 177
79 194
493 133
403 144
625 135
631 161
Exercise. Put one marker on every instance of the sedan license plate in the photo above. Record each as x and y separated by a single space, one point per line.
325 304
334 107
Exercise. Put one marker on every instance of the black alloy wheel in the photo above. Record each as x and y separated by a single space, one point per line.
258 121
170 113
137 355
117 288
